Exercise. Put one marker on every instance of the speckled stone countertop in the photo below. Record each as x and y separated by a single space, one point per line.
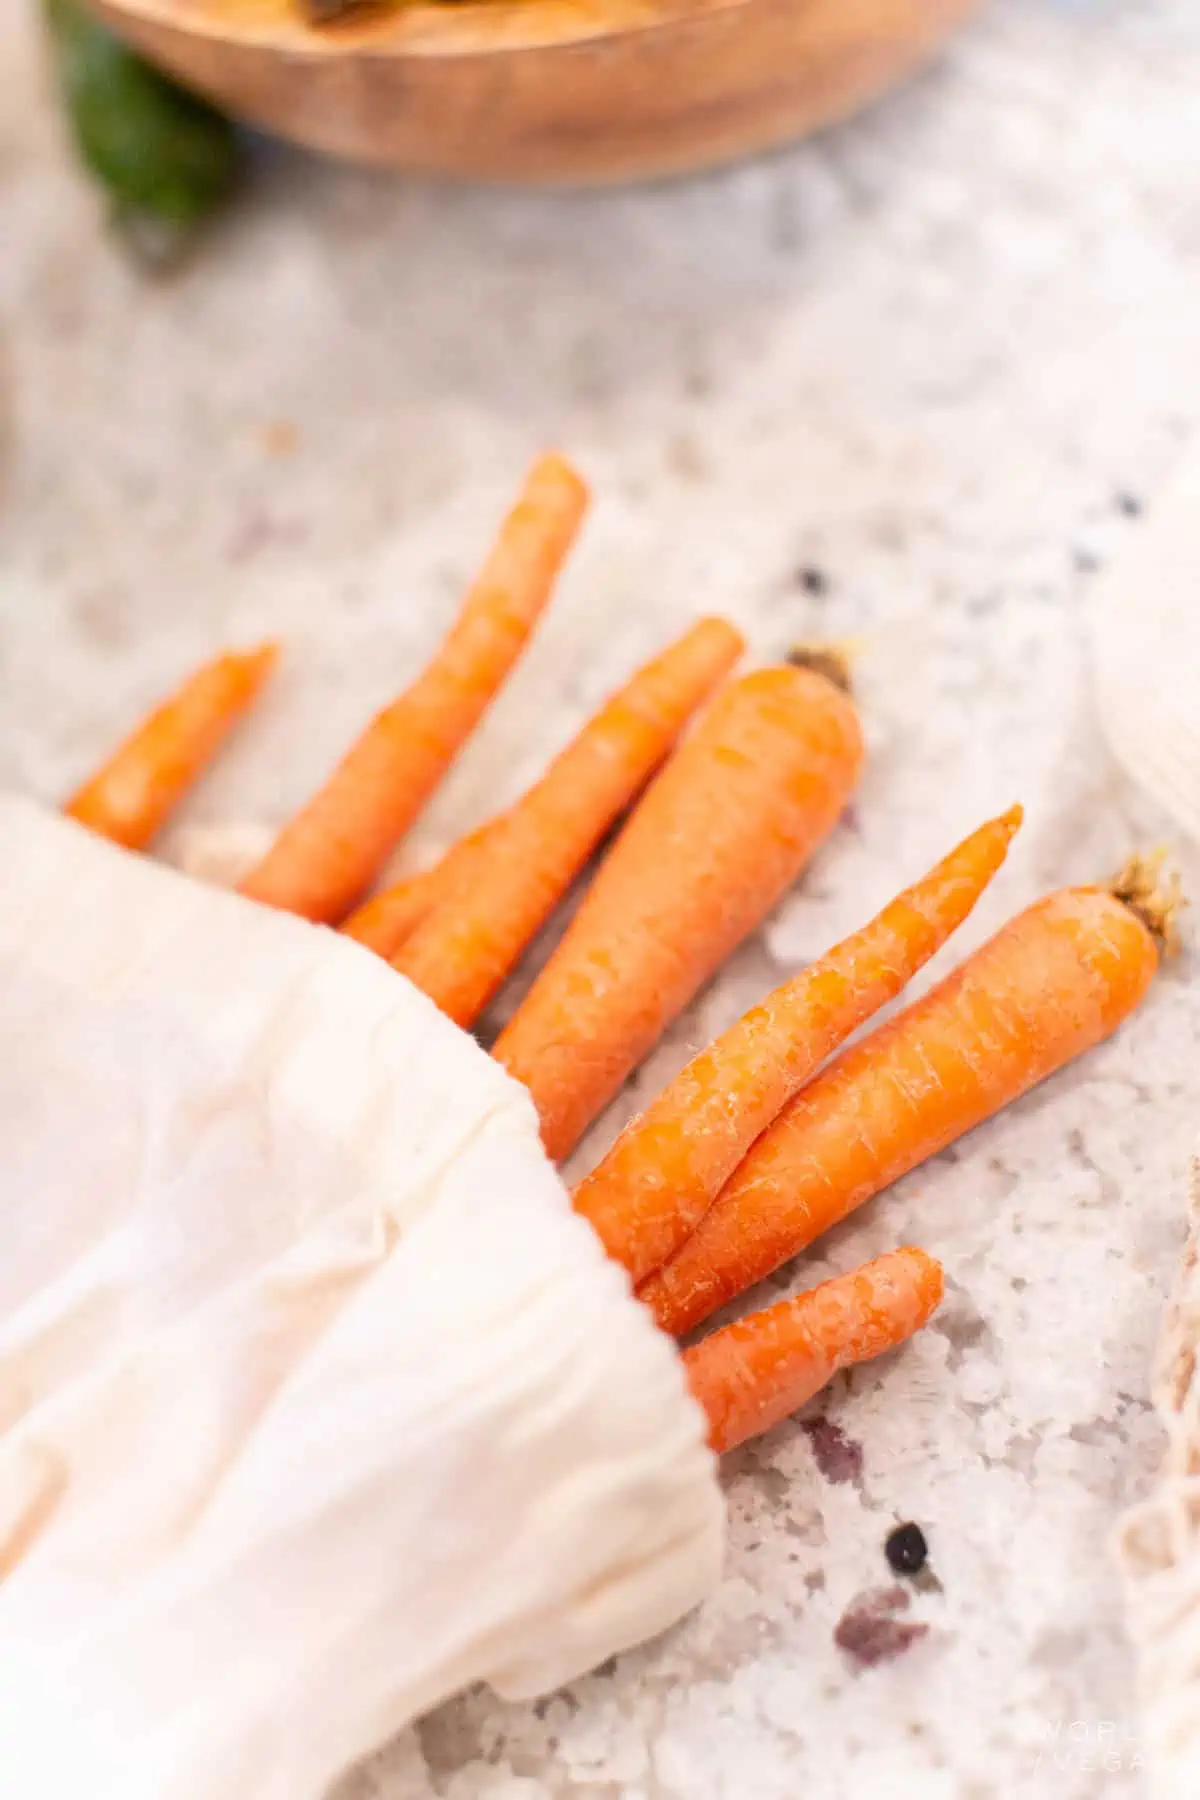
913 382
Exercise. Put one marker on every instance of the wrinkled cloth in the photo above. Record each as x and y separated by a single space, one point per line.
317 1401
1146 652
1146 644
1159 1550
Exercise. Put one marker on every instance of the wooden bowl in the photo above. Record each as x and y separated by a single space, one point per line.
573 91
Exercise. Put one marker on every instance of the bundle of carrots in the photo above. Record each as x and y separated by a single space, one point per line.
776 1131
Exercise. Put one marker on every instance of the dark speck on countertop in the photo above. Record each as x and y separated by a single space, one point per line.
906 1549
813 580
870 1631
837 1456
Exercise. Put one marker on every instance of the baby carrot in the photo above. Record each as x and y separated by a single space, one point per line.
667 1167
325 858
718 837
1055 981
606 748
466 946
130 797
753 1373
384 922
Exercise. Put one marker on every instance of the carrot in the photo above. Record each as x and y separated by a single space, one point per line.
753 1373
384 922
470 942
718 837
130 797
387 920
667 1167
1055 981
328 855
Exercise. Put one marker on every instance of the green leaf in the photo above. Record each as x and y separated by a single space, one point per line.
158 150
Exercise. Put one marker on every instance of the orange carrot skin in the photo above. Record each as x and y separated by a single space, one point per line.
1054 982
382 923
717 839
467 945
129 799
667 1167
330 853
752 1374
387 920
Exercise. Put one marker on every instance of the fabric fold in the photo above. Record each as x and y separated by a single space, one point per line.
317 1401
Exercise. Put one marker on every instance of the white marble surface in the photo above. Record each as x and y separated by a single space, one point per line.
927 357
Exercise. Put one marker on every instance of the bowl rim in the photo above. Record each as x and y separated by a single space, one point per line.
461 29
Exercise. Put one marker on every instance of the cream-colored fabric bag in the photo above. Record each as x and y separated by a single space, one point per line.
1146 639
1159 1548
317 1401
1146 647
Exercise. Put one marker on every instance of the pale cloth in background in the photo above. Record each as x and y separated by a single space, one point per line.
1147 652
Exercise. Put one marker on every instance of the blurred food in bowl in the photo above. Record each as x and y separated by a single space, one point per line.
567 91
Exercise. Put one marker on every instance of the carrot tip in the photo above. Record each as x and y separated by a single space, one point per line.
1013 819
551 466
260 659
833 661
933 1277
1155 898
753 1373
